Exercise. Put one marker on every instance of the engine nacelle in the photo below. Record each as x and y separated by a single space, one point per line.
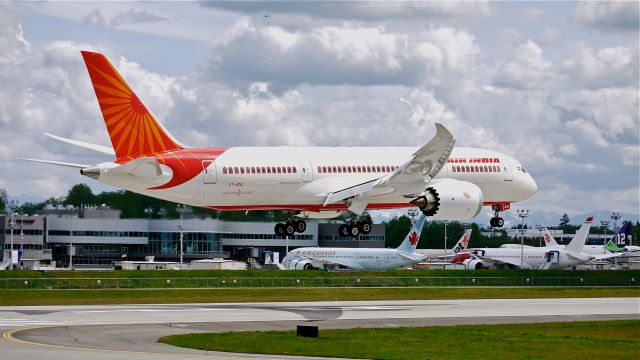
473 264
301 265
449 199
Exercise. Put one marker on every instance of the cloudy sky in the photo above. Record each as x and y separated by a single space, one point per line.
554 84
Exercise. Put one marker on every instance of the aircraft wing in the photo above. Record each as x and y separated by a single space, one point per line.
99 148
60 163
492 261
416 257
317 260
422 166
615 255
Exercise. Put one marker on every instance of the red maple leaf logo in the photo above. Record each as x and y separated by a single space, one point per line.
413 238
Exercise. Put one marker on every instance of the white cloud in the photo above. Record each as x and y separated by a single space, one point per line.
609 15
526 69
356 10
250 52
605 67
123 18
614 111
569 149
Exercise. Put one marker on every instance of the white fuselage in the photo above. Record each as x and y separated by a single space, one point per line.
535 258
353 258
299 178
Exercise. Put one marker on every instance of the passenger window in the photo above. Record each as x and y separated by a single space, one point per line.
224 170
294 169
242 170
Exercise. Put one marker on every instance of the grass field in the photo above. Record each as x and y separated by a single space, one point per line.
231 274
573 340
168 296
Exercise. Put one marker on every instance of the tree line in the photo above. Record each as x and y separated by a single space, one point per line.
133 205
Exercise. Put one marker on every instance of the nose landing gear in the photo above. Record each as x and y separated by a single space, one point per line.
496 220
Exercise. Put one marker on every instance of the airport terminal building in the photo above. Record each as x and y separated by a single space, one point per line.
96 237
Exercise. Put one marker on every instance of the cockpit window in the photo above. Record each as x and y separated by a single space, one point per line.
523 170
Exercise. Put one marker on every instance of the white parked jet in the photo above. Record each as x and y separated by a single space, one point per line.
617 243
533 257
307 258
309 182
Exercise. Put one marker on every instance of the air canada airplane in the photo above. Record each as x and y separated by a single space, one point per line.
308 258
308 182
542 258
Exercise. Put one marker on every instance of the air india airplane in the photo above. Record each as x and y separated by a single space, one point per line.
308 182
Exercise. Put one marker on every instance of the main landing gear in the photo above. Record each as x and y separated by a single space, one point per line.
354 228
290 227
496 220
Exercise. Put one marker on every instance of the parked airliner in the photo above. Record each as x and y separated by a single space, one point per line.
617 243
534 257
309 182
359 258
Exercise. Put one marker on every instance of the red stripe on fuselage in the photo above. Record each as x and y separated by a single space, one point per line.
310 207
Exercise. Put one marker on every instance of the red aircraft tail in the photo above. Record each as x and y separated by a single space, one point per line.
133 130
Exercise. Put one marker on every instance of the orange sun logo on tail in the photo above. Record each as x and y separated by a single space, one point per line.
132 129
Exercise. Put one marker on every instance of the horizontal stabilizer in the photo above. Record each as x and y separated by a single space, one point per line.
143 167
99 148
59 163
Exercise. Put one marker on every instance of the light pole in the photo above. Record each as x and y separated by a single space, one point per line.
182 209
413 213
605 226
445 239
522 213
540 228
13 204
615 217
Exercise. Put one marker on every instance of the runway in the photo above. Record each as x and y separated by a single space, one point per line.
108 332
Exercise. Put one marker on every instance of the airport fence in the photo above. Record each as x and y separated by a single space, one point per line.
315 282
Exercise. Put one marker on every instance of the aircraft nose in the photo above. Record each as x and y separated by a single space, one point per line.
530 186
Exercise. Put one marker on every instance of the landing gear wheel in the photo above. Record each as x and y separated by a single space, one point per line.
496 222
289 230
364 227
300 226
343 230
353 231
279 229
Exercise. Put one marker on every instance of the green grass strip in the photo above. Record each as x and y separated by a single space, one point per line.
570 340
168 296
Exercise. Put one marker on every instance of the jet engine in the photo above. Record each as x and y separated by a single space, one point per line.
301 265
473 264
450 199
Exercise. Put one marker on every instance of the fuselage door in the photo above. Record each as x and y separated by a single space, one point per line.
209 172
307 175
506 168
553 257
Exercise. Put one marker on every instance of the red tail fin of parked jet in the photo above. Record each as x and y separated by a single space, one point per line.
133 130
